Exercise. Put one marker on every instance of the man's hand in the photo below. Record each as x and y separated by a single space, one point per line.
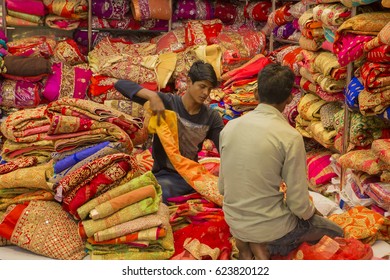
157 107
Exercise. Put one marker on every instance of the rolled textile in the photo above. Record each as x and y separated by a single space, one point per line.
18 163
135 183
33 7
68 51
148 9
27 66
193 9
40 46
381 148
15 21
371 104
352 92
27 196
141 223
67 8
111 9
109 207
64 23
309 107
257 10
379 54
28 17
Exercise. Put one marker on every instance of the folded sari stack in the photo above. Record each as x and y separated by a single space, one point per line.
25 132
136 62
128 221
277 18
352 35
94 178
67 15
332 15
311 30
374 74
239 86
23 179
25 13
76 123
363 129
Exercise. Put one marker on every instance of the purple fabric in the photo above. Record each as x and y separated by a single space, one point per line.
110 9
192 9
284 31
19 94
32 7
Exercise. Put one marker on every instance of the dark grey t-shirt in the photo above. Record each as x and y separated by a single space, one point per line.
193 129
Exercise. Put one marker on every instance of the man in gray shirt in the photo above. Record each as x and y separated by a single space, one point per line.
259 151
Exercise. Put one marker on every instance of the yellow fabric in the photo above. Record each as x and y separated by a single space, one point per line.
195 174
211 54
166 66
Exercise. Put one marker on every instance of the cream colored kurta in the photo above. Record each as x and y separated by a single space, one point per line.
258 151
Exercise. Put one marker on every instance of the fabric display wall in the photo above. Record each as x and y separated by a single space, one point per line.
87 145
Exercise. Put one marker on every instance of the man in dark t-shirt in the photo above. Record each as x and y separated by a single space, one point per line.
196 122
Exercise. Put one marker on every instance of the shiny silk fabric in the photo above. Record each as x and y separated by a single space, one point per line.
67 8
110 9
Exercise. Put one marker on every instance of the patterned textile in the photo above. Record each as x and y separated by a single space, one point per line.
205 241
362 160
352 92
202 32
160 249
365 23
15 21
331 14
141 223
257 10
112 9
357 3
309 107
58 22
18 163
19 94
88 228
67 8
380 193
325 63
284 31
67 81
371 104
379 54
327 114
291 109
349 47
41 149
228 12
44 228
40 46
382 38
172 41
147 9
319 169
85 109
143 180
92 179
310 44
193 9
324 136
26 126
364 224
68 52
333 249
26 196
33 7
33 177
381 148
362 129
239 46
375 76
194 173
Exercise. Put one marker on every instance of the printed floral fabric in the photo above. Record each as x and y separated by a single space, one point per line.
364 224
362 160
331 14
44 228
